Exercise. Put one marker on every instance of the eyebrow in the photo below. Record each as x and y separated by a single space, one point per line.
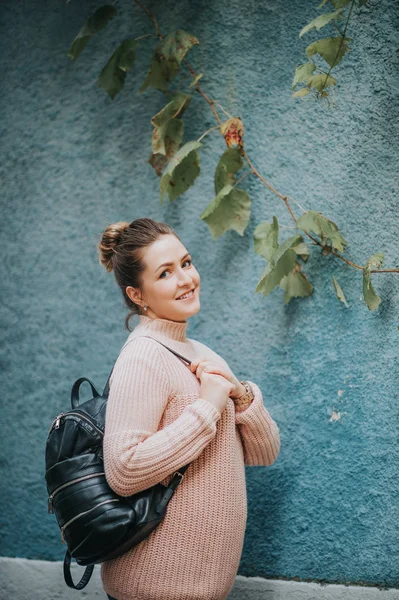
169 264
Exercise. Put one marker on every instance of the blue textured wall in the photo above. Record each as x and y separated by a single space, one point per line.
74 161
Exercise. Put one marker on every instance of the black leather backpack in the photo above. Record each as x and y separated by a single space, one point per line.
96 523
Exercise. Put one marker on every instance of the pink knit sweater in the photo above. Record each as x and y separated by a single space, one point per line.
156 423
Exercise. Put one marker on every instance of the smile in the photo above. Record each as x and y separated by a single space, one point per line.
186 296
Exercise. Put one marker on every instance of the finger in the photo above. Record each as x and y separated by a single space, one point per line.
196 367
201 367
195 362
216 370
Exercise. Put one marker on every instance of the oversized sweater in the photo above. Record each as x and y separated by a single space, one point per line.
156 422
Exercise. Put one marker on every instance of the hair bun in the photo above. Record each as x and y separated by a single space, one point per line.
109 240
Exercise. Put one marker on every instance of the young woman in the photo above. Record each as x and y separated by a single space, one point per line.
163 414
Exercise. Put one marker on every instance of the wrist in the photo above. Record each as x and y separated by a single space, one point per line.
245 399
241 391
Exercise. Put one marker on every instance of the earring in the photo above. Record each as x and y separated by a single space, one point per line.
145 308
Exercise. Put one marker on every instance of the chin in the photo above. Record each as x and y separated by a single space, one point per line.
193 310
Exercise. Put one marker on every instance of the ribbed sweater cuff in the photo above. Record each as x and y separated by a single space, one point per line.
207 410
259 432
248 415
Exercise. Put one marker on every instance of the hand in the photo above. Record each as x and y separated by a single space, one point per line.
201 364
215 389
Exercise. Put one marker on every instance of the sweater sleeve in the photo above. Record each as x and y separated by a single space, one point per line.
259 432
136 454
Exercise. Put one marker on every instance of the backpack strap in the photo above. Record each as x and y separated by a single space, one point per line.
106 388
68 577
75 391
174 352
178 475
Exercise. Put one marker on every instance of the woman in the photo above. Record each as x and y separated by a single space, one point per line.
162 415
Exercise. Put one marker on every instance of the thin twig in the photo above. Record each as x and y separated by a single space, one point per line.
145 35
151 17
225 111
255 172
206 132
296 202
341 42
243 177
198 89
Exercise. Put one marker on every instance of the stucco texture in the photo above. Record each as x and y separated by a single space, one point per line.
73 161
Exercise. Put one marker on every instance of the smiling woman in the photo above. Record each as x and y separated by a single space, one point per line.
162 287
137 253
163 414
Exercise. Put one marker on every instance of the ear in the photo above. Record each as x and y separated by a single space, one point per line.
133 294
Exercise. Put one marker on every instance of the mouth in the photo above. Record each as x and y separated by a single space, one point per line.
186 295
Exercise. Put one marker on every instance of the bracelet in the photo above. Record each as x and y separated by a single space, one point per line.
246 397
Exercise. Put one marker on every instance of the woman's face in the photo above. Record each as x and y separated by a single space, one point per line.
163 284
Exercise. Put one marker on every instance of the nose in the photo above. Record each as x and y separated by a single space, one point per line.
184 279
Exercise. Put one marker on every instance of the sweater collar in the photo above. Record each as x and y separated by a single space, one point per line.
174 330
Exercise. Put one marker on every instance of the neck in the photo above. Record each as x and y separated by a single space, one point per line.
165 328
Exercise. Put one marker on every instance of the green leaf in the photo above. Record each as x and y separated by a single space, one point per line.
281 263
112 77
332 49
181 171
272 275
167 58
230 209
302 250
361 2
158 161
289 244
370 297
167 138
338 291
323 227
296 285
94 24
323 3
321 81
266 238
174 108
303 72
300 93
168 128
321 21
229 163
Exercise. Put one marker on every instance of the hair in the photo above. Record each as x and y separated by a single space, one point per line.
121 250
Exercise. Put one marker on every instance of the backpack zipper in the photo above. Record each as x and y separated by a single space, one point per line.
57 420
68 483
82 514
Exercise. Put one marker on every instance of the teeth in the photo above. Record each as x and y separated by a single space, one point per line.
186 295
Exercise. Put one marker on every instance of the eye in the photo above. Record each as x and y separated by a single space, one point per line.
188 260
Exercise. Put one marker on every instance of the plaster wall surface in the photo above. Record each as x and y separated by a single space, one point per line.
73 161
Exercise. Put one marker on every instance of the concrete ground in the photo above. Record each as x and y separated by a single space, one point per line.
23 579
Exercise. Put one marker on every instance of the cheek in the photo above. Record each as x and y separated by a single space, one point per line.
163 290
